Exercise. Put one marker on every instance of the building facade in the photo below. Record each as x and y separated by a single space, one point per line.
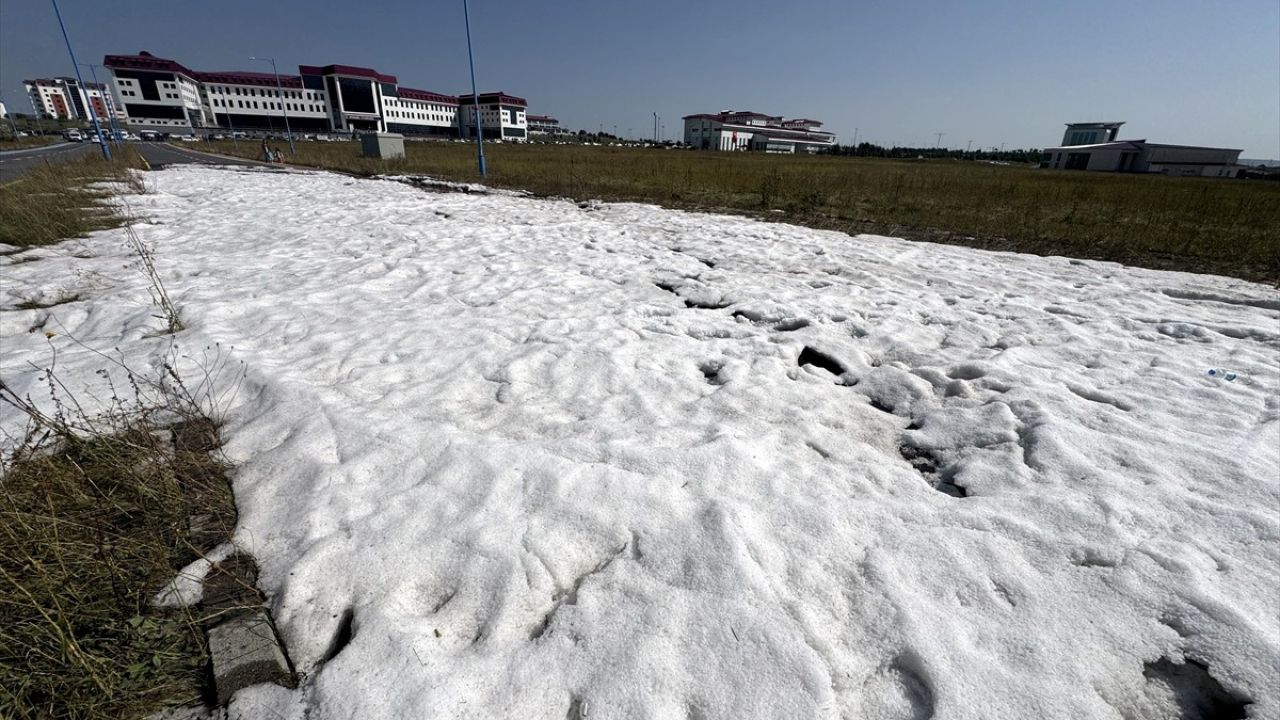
161 94
545 125
1093 146
64 98
744 130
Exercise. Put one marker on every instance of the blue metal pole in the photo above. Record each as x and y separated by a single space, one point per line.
93 117
284 109
475 95
106 102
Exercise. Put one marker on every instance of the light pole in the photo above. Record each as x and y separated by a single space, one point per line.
106 102
284 108
475 94
93 117
35 112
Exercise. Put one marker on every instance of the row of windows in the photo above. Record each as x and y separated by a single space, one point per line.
266 92
435 117
254 105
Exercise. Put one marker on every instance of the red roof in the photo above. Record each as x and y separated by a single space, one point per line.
346 70
145 61
495 97
235 77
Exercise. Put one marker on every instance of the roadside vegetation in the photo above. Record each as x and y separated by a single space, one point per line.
12 143
59 200
1198 225
100 508
92 525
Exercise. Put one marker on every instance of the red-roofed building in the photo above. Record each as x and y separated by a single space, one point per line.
158 93
745 130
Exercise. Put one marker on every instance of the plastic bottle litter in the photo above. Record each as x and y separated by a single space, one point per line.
1220 373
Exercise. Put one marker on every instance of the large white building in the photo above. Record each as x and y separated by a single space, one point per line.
744 130
157 93
63 98
1093 146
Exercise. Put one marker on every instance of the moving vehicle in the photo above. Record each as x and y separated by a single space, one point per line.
148 136
73 135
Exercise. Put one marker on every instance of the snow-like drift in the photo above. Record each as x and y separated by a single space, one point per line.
554 461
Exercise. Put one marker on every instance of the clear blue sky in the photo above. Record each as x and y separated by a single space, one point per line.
1012 71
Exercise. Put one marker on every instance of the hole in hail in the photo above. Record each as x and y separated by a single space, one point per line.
819 359
711 371
342 636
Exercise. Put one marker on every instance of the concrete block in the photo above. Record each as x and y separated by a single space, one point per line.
382 145
230 588
245 652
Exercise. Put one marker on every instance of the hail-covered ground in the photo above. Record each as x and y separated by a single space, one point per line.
504 457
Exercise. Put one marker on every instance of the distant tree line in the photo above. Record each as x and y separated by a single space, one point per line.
867 149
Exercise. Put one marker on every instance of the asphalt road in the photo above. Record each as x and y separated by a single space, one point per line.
14 164
161 154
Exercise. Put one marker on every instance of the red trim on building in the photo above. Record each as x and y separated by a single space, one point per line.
346 70
499 98
145 61
293 82
427 96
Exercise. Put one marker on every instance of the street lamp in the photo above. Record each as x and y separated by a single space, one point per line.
475 94
283 107
93 117
106 102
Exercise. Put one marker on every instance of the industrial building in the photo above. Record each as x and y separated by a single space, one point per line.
744 130
162 94
1093 146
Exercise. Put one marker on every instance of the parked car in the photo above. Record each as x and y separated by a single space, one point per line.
73 135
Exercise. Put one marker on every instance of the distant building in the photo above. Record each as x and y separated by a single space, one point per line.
161 94
63 98
1093 146
544 125
740 130
4 111
502 115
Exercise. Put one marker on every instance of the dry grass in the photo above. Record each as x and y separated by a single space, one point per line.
1197 225
96 517
90 529
57 201
9 143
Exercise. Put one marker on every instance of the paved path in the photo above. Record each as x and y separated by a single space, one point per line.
17 162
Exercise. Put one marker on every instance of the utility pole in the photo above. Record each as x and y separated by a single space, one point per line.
968 147
938 142
475 94
36 112
284 108
106 102
655 127
93 117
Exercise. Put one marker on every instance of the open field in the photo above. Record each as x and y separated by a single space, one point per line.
1212 226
